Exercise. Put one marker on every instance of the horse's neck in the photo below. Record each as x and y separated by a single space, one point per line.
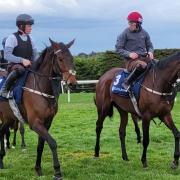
166 77
43 75
46 66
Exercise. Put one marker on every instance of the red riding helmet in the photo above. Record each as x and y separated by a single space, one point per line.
135 17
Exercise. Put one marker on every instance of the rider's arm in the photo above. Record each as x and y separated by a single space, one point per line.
11 43
149 44
120 45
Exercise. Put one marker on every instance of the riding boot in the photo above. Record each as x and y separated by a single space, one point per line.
4 91
132 77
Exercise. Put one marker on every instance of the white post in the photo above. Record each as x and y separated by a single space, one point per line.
69 98
62 86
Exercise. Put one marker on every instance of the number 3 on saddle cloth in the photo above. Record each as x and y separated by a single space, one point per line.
16 89
117 87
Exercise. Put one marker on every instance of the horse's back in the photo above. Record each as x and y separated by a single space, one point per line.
108 76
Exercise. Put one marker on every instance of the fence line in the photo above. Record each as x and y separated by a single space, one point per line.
84 82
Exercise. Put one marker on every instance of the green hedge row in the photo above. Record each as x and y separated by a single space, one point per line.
94 65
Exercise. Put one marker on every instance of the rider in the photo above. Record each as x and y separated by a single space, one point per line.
19 51
2 60
135 46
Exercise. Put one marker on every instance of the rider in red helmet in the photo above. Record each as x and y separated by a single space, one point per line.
135 46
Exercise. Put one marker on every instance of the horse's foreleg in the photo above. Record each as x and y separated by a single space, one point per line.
42 131
137 130
145 127
122 133
2 151
168 121
40 148
99 126
22 130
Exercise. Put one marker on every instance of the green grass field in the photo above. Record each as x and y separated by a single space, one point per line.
74 130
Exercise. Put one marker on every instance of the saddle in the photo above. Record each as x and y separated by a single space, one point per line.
16 89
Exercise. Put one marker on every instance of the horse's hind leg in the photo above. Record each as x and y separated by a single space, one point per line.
2 151
22 130
15 132
168 121
122 132
104 109
137 130
99 126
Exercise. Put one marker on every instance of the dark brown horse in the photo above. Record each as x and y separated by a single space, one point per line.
17 125
39 103
155 101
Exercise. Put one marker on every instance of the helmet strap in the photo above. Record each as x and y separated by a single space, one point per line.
22 29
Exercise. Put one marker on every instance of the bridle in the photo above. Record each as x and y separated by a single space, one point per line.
56 71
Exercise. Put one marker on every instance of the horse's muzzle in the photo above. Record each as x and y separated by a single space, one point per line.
72 86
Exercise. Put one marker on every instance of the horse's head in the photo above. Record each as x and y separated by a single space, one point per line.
63 63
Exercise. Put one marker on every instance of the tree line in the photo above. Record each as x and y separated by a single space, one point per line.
94 65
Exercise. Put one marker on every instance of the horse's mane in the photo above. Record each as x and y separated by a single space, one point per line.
165 61
35 66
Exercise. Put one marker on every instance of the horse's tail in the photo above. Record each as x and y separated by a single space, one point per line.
109 110
95 101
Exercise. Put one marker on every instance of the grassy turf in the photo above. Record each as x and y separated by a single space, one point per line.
74 130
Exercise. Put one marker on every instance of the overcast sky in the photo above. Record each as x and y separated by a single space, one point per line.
95 24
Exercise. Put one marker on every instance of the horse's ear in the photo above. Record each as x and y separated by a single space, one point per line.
51 41
70 43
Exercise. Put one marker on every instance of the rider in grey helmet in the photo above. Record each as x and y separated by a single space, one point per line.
20 51
2 60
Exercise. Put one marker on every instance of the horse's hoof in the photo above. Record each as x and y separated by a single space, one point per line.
57 178
23 149
96 155
38 171
145 165
174 165
125 158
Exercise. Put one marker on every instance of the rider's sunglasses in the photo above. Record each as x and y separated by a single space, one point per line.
132 23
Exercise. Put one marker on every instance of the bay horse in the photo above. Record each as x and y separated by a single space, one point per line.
17 125
40 102
155 101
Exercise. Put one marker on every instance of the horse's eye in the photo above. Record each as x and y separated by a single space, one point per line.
60 59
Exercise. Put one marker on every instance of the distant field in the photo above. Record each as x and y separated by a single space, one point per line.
74 130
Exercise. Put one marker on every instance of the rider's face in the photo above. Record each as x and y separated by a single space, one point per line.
28 29
132 26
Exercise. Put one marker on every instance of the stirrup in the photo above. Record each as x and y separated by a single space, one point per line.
126 86
8 95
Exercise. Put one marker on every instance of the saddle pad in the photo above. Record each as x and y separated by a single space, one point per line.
117 87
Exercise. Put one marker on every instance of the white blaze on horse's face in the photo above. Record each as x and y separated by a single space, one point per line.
65 61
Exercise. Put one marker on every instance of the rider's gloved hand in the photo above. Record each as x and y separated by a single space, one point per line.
26 62
150 54
133 55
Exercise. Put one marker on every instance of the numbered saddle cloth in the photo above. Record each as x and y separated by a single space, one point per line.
117 87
